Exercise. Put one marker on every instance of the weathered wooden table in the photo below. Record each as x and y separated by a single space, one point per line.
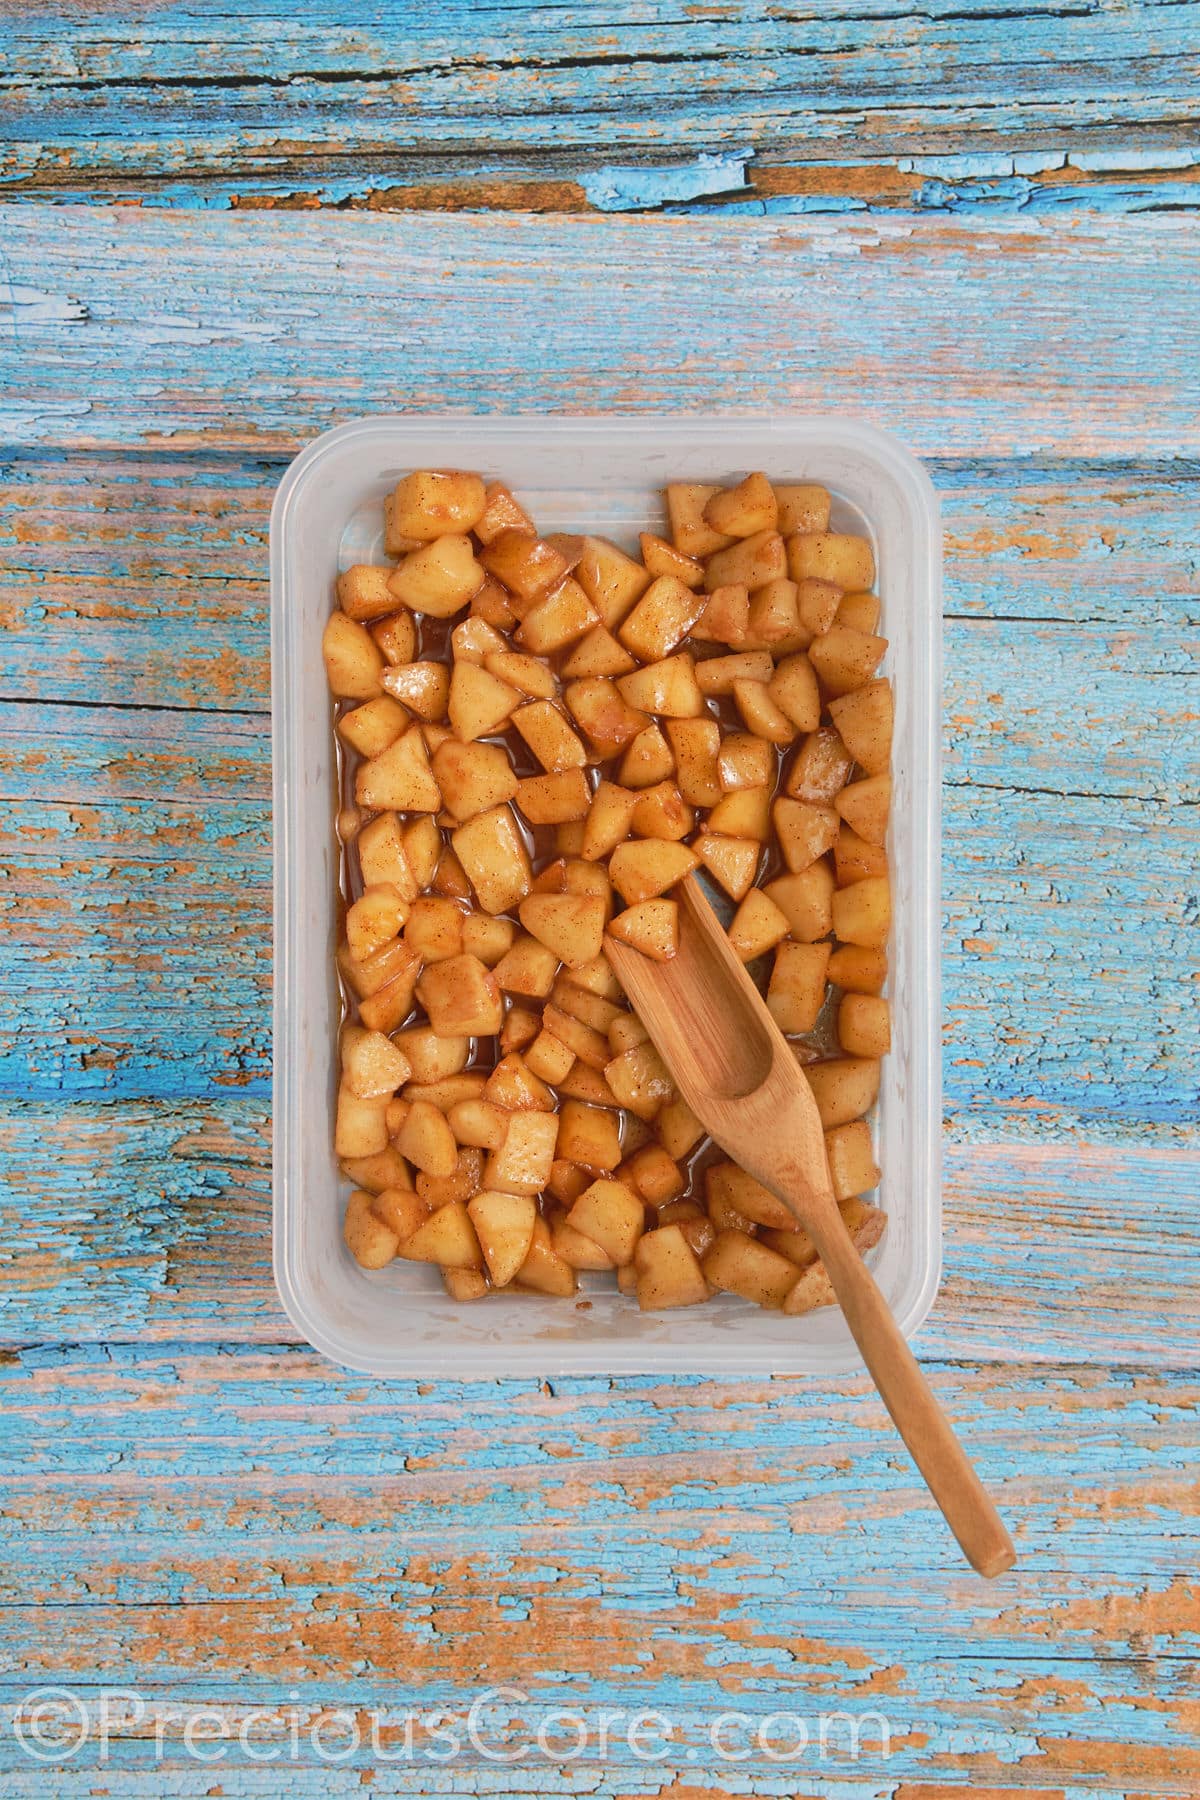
975 226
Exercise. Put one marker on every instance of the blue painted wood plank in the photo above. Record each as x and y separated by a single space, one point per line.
1076 339
614 1543
341 102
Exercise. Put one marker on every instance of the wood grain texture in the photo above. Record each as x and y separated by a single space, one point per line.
270 1530
196 1506
133 327
600 106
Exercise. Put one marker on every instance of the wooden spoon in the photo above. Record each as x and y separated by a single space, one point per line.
734 1068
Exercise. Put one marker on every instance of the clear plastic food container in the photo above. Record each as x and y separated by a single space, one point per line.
603 475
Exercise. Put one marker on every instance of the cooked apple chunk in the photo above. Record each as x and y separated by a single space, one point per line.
806 901
370 728
461 996
845 659
613 581
492 851
423 687
661 619
549 736
370 1242
353 664
667 687
432 502
803 506
857 970
652 926
760 714
570 925
797 991
363 592
864 721
726 616
375 918
522 1163
609 820
738 1264
562 617
611 1215
643 870
851 1157
360 1127
502 511
662 812
758 925
504 1226
589 1135
447 1238
753 561
745 813
862 914
844 1088
648 759
544 1271
426 1140
383 858
640 1082
602 711
804 832
438 579
741 511
821 768
372 1066
527 566
865 805
399 779
598 653
835 556
690 531
473 778
660 558
733 861
855 860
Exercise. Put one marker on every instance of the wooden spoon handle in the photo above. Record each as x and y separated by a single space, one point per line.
907 1395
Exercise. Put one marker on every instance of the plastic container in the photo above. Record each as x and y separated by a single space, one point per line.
605 475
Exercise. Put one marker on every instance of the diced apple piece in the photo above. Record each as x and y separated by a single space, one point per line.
514 1086
369 1240
812 1289
730 860
668 688
447 1238
465 1285
480 704
521 1025
743 510
449 1091
396 637
389 1006
375 918
427 1141
660 558
612 1215
758 925
865 806
527 566
649 758
844 1088
372 1066
613 581
696 746
795 1244
653 1174
859 611
858 970
794 690
570 925
604 714
690 530
549 736
804 832
571 1245
753 561
385 1169
662 812
588 1085
522 1164
370 728
678 1128
363 592
717 674
502 512
353 664
643 870
549 1058
583 1004
438 579
609 819
528 968
598 653
590 1045
377 970
803 506
855 860
760 714
561 618
463 1181
797 990
433 502
818 603
433 1054
661 619
589 1135
652 926
402 1211
423 687
821 768
773 620
626 1032
744 761
434 928
864 720
504 1226
488 938
806 901
845 659
473 778
478 1123
738 1264
729 1190
835 556
382 857
746 813
639 1079
423 848
862 914
726 616
492 851
544 1271
851 1156
495 604
361 1125
462 997
554 799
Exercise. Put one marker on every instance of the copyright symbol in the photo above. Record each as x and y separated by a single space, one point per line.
51 1724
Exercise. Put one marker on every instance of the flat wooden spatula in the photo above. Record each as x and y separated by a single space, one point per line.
733 1066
